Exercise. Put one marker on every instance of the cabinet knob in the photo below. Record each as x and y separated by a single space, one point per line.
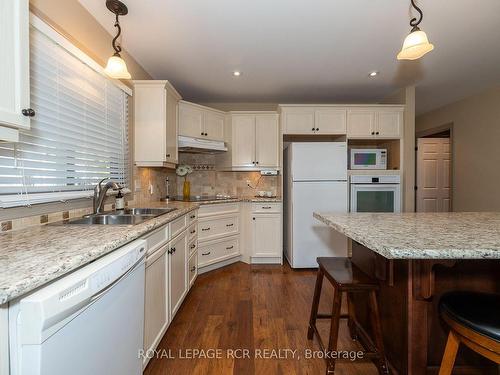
317 129
193 269
202 133
168 155
377 133
206 134
28 112
312 129
253 218
373 133
256 162
173 250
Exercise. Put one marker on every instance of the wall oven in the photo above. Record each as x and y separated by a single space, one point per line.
375 193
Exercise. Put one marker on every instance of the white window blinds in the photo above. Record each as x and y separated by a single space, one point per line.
77 137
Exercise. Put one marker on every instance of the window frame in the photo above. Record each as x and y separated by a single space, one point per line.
28 199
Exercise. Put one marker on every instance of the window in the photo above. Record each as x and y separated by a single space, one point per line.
79 134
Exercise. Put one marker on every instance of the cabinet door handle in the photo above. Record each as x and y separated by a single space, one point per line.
205 229
193 269
193 246
206 253
266 207
229 248
229 225
28 112
168 155
192 216
193 231
173 250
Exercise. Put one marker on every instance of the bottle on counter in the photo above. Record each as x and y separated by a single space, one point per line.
119 201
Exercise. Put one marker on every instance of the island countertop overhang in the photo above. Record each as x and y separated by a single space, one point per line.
453 235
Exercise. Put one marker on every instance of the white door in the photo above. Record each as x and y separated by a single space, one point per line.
214 125
155 300
177 272
298 121
360 123
172 125
266 235
319 161
389 124
243 127
190 121
331 121
434 175
311 238
267 140
14 66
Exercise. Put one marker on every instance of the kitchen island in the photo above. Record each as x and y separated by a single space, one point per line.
417 257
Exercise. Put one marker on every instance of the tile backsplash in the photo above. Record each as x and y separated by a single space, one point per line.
206 180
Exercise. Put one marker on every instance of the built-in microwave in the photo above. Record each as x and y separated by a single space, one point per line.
368 158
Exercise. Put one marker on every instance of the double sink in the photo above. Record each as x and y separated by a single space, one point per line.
128 216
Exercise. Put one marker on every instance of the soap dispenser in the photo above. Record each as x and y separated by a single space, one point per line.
119 201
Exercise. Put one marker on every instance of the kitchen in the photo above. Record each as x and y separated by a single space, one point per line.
137 181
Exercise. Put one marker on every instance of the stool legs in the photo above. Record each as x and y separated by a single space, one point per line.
450 353
351 317
377 333
334 329
315 304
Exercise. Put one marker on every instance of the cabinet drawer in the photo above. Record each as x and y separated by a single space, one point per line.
211 228
192 230
192 246
157 238
192 216
218 209
266 207
218 250
193 268
177 226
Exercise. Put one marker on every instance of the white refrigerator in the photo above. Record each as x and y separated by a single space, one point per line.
315 180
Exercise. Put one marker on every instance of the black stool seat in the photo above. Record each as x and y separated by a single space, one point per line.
477 311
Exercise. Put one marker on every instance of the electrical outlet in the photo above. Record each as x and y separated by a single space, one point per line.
248 182
137 185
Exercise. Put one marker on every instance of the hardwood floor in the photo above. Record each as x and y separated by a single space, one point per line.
254 308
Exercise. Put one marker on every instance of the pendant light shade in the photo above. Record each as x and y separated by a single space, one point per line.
116 67
415 46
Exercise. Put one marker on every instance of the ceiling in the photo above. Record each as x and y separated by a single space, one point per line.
306 51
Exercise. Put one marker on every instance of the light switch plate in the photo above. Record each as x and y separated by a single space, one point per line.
137 185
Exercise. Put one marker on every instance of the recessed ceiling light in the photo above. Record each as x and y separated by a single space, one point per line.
236 73
373 74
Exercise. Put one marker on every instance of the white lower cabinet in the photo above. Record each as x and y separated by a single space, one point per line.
193 268
211 252
156 314
177 272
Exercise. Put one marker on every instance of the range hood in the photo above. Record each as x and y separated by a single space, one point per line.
200 146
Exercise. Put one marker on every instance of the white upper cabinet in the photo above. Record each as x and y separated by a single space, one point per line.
243 140
267 141
190 120
298 120
254 141
156 106
386 122
200 122
15 109
360 123
331 121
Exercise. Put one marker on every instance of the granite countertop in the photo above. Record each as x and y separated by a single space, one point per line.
454 235
34 256
240 199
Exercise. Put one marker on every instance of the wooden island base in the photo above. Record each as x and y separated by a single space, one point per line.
414 335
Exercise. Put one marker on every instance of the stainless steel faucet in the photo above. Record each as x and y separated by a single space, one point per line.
100 193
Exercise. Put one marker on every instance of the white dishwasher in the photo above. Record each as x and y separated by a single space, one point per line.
89 322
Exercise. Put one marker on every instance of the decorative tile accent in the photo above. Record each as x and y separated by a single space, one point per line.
6 225
65 215
44 219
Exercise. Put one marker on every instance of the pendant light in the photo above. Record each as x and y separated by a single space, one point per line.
116 67
416 43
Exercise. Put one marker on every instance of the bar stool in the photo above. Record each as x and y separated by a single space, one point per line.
474 320
347 278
